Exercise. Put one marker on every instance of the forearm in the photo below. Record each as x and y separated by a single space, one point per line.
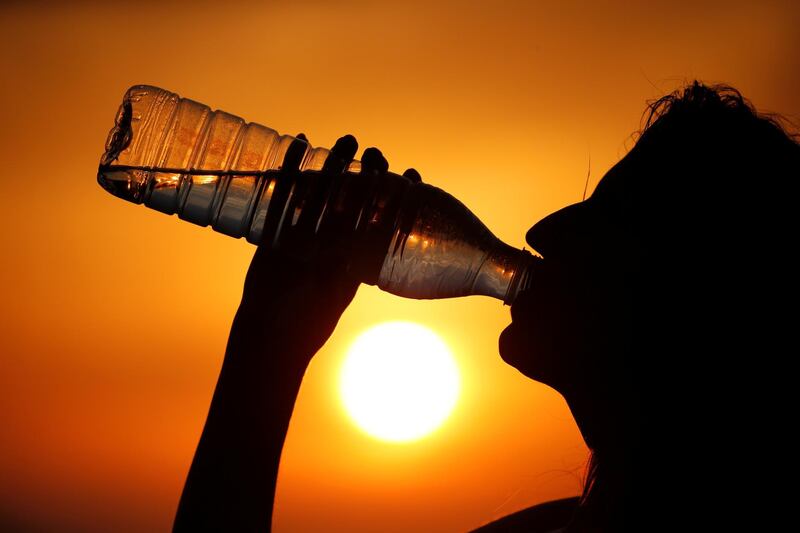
293 298
231 483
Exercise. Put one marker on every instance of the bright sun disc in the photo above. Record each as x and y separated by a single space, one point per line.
399 381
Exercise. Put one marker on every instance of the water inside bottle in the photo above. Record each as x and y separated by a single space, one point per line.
131 183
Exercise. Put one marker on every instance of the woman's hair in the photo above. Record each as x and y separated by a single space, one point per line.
715 100
709 188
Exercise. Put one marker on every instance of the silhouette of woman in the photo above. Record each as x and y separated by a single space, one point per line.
660 312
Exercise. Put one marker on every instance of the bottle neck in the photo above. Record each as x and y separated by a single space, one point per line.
521 279
504 273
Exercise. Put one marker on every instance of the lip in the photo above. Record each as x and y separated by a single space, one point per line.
514 339
510 336
522 305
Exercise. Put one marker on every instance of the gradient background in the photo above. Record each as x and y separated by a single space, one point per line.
115 317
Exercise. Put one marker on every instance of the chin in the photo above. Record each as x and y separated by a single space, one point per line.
511 348
531 359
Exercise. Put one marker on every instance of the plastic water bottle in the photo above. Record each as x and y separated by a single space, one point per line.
411 239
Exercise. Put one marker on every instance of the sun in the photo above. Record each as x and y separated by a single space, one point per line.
399 381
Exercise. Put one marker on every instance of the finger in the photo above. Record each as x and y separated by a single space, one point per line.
302 236
289 238
295 152
373 162
342 154
413 175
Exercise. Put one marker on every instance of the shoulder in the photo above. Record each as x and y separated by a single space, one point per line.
543 518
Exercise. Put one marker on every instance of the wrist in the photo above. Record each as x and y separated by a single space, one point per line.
298 320
270 341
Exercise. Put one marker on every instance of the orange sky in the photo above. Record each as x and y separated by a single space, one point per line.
115 317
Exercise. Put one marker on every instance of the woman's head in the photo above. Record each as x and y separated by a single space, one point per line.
653 289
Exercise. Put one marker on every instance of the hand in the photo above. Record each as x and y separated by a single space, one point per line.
303 287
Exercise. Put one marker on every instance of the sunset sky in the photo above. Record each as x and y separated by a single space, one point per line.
115 317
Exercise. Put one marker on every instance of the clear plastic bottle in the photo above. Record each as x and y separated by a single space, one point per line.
176 155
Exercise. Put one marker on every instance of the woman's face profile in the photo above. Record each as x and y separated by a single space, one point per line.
574 315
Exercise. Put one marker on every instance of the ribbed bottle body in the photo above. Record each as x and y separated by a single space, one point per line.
210 167
179 157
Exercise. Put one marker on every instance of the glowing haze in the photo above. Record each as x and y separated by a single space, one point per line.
115 317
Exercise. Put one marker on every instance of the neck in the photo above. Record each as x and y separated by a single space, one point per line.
615 478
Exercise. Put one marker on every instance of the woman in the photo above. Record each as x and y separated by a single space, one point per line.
655 314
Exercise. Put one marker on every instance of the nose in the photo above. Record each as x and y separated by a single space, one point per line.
559 231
